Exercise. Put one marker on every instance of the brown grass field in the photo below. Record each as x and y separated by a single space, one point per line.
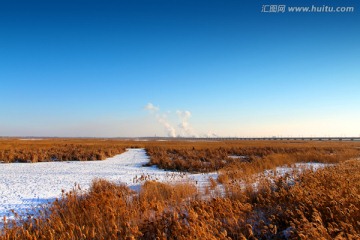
316 205
15 150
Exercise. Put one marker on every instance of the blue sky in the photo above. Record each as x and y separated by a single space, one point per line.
89 68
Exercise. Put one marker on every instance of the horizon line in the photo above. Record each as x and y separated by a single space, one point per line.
304 138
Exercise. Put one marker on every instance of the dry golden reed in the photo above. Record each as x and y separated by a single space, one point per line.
316 205
319 205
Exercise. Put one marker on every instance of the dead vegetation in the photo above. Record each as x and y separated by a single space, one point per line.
320 205
316 205
14 150
189 156
240 158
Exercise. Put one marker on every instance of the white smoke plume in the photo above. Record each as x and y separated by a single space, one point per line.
171 132
162 119
211 135
151 108
185 128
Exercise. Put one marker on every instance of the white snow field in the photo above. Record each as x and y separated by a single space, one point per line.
24 186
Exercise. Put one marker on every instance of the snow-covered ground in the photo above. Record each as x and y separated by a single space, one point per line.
24 186
297 167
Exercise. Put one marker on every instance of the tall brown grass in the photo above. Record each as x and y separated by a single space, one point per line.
251 157
320 205
316 205
191 156
15 150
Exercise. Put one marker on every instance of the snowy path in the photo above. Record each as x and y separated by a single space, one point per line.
23 186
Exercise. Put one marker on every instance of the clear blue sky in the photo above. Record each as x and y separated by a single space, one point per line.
89 68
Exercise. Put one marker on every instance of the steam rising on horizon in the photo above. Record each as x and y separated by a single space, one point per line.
184 128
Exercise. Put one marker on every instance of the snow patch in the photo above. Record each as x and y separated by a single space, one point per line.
237 157
23 186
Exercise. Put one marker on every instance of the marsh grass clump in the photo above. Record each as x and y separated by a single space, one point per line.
245 157
15 150
319 205
322 204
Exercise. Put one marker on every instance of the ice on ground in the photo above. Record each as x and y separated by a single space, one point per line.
299 167
237 157
23 186
291 172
